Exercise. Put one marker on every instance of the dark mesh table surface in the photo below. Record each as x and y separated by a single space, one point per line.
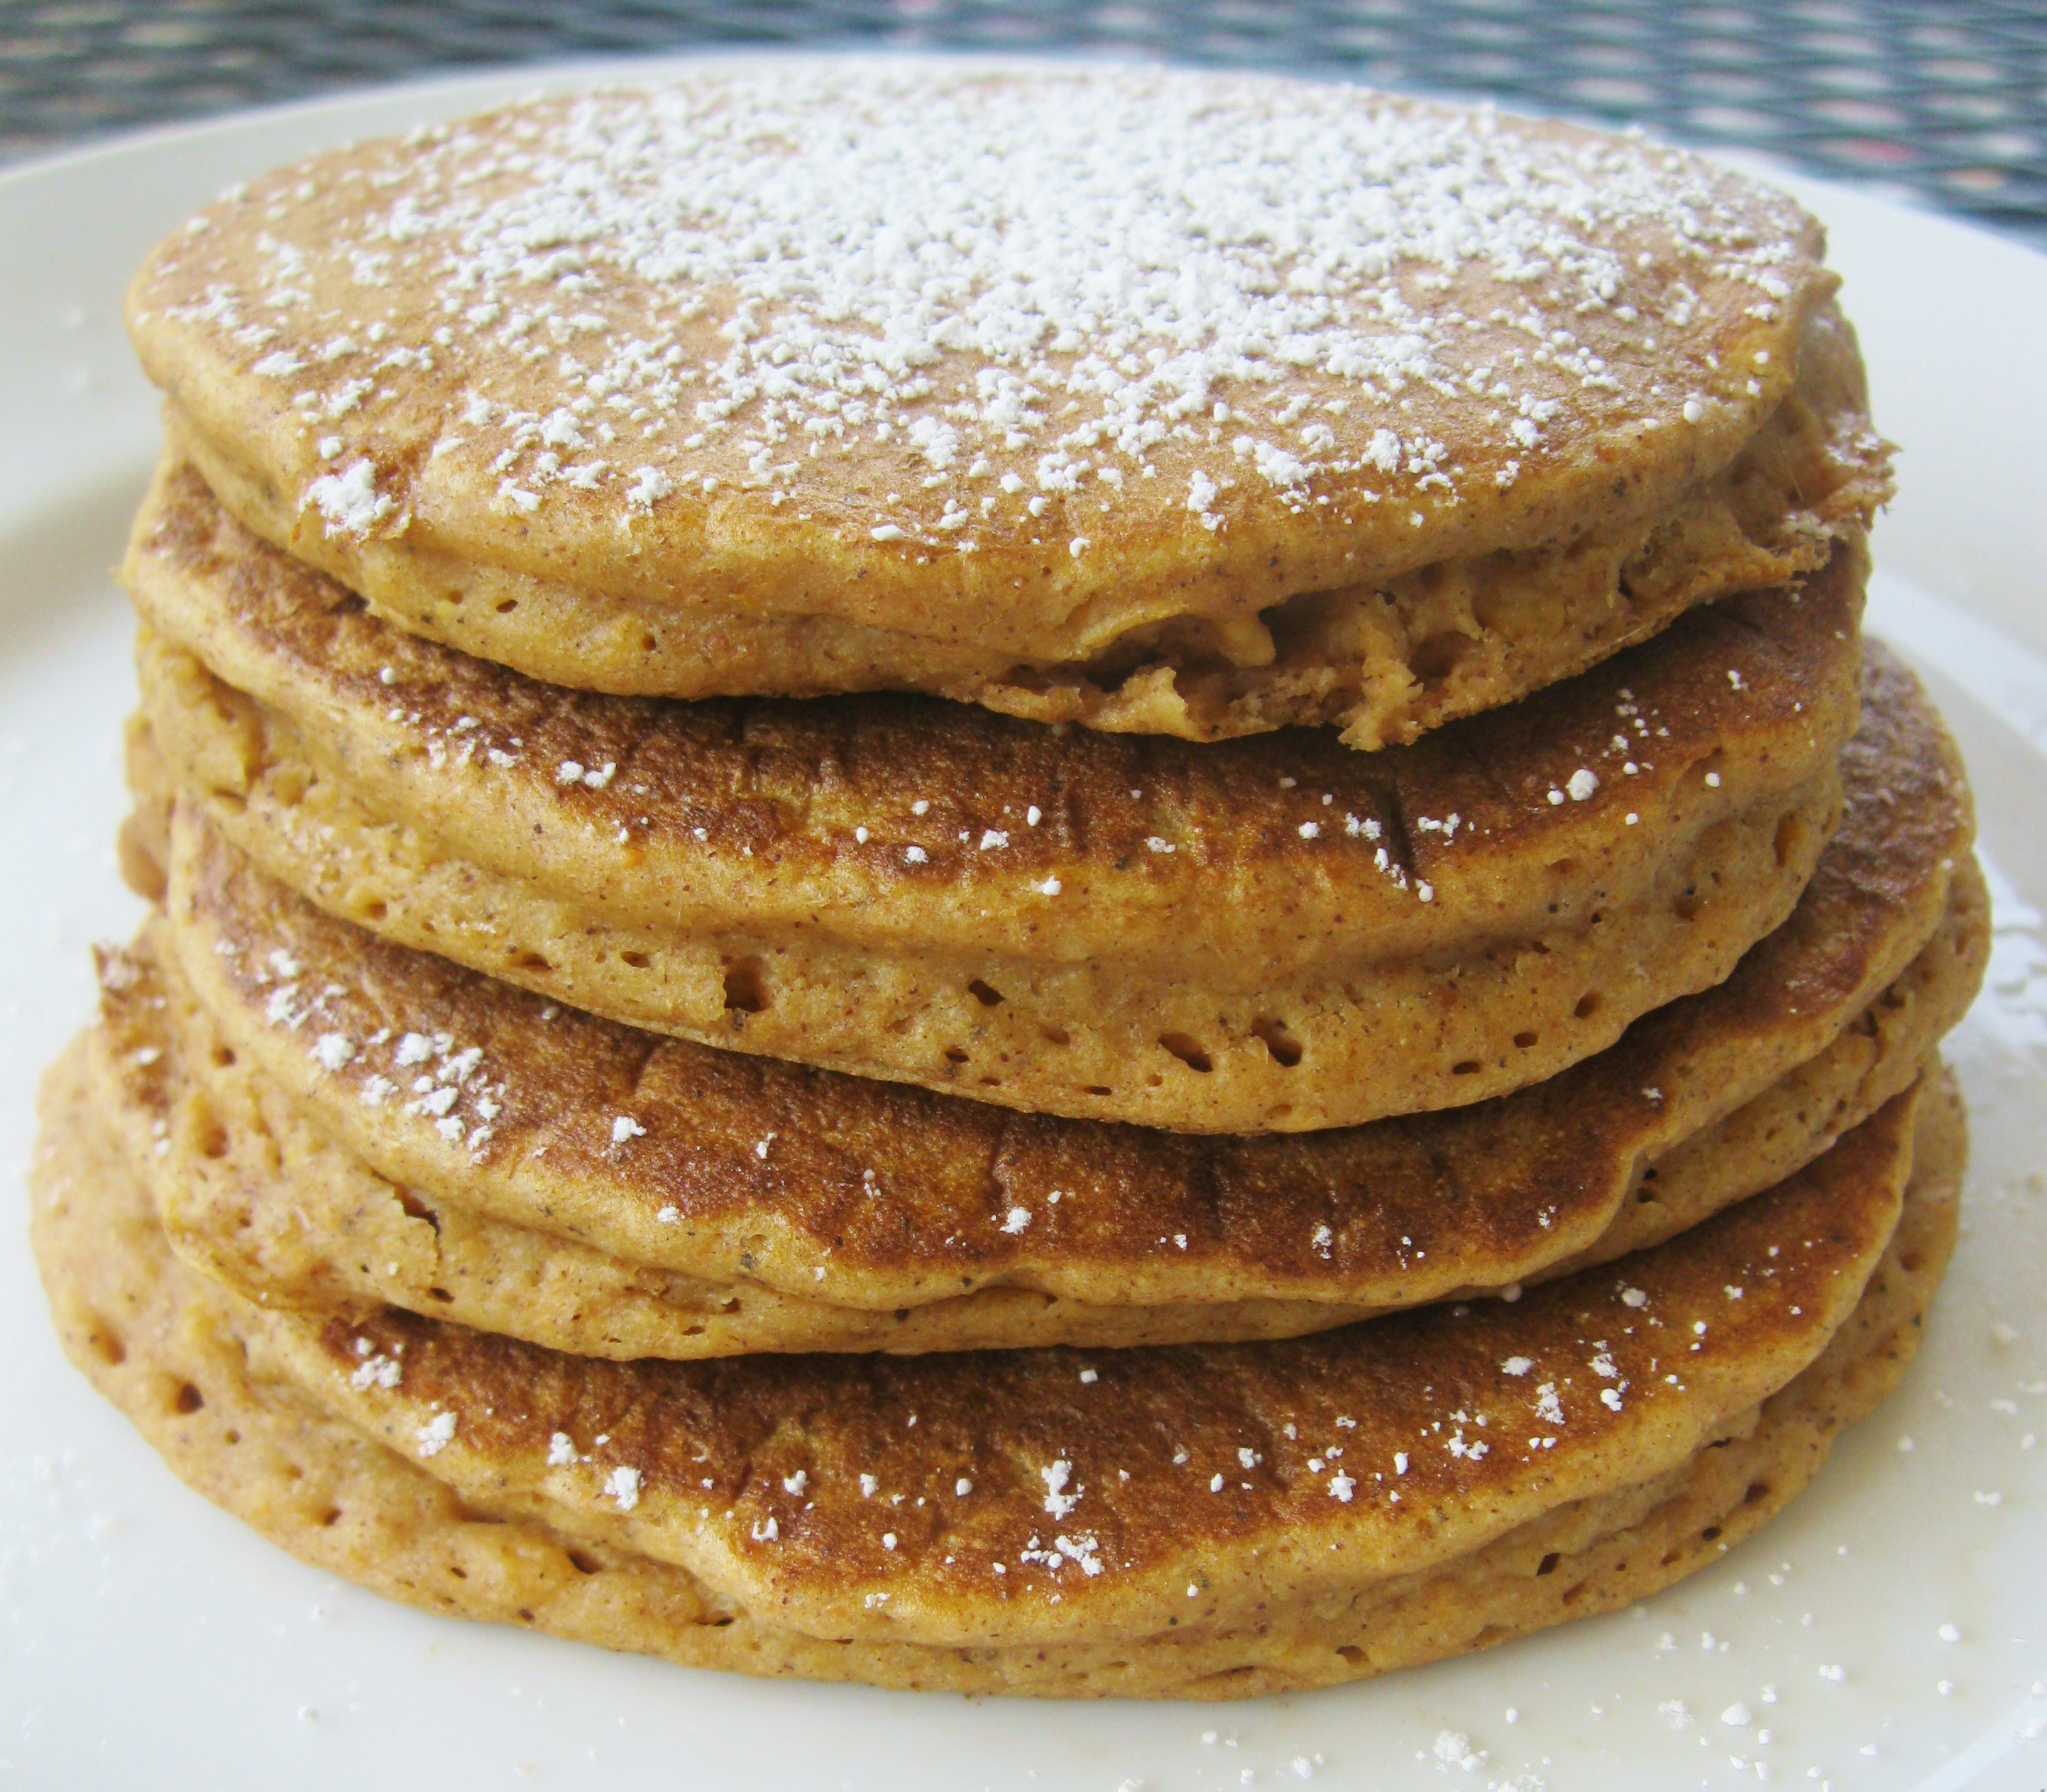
1947 101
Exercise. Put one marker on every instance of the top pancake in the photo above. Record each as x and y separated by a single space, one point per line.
1045 385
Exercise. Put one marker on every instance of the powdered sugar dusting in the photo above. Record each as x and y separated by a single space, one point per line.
1023 287
429 1076
349 502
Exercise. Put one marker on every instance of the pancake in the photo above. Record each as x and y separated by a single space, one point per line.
253 1189
1267 933
664 394
716 1513
277 1053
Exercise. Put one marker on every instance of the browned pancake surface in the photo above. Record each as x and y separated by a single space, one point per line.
253 1190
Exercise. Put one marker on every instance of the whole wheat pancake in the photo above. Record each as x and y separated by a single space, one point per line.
1154 401
1271 933
346 1123
1205 1523
253 1189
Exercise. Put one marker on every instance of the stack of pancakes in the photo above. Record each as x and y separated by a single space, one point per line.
1058 880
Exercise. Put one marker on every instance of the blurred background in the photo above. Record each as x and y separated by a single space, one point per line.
1944 102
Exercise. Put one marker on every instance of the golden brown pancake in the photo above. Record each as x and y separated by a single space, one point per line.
1292 1515
254 1190
1042 387
346 1123
1271 934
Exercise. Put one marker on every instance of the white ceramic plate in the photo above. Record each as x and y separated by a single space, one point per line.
146 1640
